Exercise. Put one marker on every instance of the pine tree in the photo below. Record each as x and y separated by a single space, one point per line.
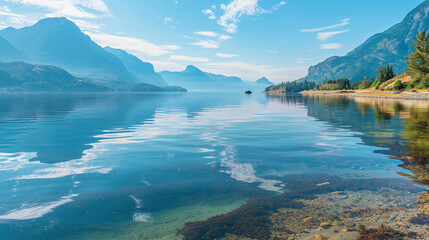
384 74
418 61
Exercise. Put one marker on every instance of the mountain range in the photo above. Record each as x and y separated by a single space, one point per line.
25 77
195 79
59 42
389 47
144 70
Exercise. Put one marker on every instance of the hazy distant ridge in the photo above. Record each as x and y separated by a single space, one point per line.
194 78
25 77
59 42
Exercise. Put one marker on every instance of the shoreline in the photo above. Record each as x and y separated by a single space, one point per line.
368 94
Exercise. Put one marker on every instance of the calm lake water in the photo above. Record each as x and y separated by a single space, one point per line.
141 166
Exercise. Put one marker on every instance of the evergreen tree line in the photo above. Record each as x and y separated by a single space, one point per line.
384 74
295 86
338 84
418 62
418 69
299 86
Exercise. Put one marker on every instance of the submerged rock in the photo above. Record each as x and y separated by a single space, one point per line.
325 225
420 220
281 215
319 237
338 223
423 203
383 233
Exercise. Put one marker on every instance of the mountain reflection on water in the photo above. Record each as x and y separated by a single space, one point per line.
151 166
399 126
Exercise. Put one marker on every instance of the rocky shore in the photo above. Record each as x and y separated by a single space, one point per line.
345 215
371 94
383 214
322 207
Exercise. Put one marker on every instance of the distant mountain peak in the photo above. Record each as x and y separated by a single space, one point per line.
57 21
264 80
191 68
60 42
8 29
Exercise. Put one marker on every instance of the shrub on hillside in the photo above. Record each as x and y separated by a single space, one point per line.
398 85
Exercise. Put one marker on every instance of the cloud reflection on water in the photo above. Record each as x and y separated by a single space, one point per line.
30 211
173 122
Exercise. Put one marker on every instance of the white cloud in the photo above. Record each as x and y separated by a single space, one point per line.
131 44
323 36
188 58
224 37
87 25
68 8
279 5
169 21
244 66
207 34
75 10
344 22
209 43
19 20
210 13
326 35
301 60
206 44
331 46
98 5
15 18
225 55
273 51
171 47
235 10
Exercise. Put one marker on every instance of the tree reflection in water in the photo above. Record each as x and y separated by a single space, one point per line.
401 126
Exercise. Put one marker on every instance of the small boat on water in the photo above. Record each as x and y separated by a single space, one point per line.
248 92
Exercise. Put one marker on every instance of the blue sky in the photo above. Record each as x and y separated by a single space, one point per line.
246 38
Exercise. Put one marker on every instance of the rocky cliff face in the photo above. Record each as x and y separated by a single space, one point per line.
389 47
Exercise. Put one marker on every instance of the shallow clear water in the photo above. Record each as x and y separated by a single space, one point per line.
141 166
